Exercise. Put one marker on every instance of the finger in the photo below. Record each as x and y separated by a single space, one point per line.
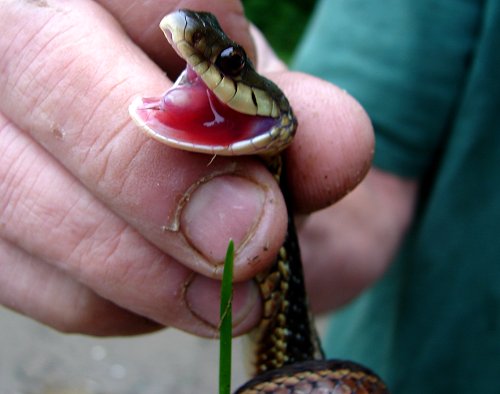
332 150
141 19
45 211
38 290
334 144
267 60
70 83
348 246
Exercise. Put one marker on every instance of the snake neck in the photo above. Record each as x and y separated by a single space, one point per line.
286 333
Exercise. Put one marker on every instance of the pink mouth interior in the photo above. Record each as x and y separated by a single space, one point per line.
191 113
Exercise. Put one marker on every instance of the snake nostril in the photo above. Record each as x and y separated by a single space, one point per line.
197 37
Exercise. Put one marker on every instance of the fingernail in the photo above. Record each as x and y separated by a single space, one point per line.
226 207
203 299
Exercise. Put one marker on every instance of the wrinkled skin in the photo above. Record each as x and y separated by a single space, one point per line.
105 232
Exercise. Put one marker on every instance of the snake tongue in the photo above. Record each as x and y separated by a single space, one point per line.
191 116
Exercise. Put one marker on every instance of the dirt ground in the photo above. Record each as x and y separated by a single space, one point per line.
37 360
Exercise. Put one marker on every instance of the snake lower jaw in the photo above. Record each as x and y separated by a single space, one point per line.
189 116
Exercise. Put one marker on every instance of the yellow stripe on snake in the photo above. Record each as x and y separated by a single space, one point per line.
240 112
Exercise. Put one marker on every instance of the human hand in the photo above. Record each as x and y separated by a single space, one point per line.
105 232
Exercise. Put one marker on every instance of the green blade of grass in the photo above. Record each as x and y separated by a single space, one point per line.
225 331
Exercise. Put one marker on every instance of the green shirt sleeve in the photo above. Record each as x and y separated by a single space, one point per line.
396 64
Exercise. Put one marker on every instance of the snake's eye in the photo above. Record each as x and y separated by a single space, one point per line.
231 60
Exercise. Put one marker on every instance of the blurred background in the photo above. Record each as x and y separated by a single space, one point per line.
282 22
38 360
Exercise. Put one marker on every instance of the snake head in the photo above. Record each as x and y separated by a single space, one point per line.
219 103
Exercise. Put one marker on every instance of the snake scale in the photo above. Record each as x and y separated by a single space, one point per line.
243 113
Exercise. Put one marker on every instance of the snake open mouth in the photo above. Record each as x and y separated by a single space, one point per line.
189 114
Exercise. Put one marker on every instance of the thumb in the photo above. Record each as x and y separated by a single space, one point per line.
141 21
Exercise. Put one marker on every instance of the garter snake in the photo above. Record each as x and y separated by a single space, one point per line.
246 114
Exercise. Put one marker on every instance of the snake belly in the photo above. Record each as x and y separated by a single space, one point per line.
246 114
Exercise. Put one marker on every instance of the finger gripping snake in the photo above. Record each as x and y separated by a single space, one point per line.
220 105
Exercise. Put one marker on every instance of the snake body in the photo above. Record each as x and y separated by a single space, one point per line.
287 356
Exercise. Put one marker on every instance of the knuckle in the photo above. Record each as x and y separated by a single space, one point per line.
90 315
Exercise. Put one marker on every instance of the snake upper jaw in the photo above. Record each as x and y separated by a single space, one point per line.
167 25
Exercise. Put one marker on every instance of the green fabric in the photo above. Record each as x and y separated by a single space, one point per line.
428 73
